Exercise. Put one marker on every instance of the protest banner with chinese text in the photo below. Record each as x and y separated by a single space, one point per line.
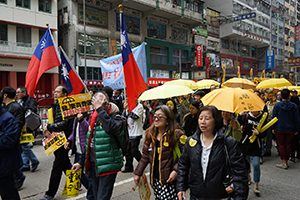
72 185
54 142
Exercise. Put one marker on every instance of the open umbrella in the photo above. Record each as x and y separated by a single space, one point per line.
239 82
273 83
206 83
165 91
233 100
188 83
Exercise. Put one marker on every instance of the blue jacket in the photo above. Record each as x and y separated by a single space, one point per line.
10 154
288 117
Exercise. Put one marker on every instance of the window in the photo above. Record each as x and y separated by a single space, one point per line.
286 43
132 45
24 36
225 44
287 21
41 34
175 56
3 34
93 73
23 3
45 6
292 44
2 1
158 55
95 46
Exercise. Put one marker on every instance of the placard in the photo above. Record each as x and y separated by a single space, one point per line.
71 105
72 185
144 189
54 142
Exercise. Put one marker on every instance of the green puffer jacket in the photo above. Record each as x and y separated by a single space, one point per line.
108 156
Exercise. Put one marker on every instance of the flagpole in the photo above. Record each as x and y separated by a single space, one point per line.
85 87
84 41
125 95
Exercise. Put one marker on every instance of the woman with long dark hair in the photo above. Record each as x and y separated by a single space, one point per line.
161 141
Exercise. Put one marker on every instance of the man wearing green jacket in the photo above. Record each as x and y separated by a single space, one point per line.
103 158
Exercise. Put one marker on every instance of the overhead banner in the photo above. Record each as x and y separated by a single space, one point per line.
112 68
71 105
294 62
199 55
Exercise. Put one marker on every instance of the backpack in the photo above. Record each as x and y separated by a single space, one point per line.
122 140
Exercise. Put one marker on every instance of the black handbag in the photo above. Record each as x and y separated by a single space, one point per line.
228 180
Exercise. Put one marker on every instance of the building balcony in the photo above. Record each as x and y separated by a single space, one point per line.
16 48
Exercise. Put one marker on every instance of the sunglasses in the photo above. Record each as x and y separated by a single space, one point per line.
158 118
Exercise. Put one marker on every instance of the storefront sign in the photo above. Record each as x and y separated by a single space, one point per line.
154 73
153 82
199 56
185 75
207 64
199 31
71 105
200 75
93 83
200 40
294 62
245 16
297 41
228 63
270 59
214 59
6 65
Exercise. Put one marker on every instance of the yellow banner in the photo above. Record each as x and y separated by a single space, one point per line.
55 142
71 105
50 116
26 138
72 184
144 189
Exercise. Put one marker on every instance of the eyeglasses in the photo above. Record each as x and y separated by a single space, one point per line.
158 118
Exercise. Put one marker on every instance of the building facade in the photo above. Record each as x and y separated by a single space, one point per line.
22 25
164 25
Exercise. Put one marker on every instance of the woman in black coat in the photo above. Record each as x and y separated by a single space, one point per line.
202 165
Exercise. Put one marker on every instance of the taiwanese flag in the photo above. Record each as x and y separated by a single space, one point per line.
134 81
45 57
69 77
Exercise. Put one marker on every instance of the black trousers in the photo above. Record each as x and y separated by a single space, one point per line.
133 152
8 190
61 164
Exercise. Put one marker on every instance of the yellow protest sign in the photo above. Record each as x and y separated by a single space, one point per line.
72 184
50 116
144 189
26 138
71 105
55 142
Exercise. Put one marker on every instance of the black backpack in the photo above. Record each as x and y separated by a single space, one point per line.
122 140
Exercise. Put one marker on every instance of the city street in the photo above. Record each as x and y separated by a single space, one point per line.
275 183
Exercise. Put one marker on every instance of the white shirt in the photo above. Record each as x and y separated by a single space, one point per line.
135 127
77 140
205 155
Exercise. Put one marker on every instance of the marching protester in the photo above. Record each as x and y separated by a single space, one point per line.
286 127
207 158
76 142
198 96
295 146
172 105
61 161
28 103
109 92
10 154
135 132
17 111
161 141
231 127
117 96
190 120
106 125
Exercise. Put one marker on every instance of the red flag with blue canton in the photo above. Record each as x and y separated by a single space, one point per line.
45 57
134 81
69 77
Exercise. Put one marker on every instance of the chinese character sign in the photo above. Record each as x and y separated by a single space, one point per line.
199 55
297 41
294 62
270 59
112 68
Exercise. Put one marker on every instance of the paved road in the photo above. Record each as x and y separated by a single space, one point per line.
275 183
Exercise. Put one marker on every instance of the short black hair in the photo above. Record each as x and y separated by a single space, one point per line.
11 92
201 93
216 115
64 89
109 91
285 93
23 89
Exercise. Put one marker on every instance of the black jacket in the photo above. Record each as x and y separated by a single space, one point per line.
60 124
29 103
17 111
190 170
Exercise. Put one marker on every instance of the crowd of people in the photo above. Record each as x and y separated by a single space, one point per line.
188 145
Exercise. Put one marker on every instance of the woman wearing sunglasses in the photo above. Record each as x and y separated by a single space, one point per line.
161 140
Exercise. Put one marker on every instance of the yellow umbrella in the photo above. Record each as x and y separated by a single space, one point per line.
206 83
182 82
239 82
233 100
165 91
273 83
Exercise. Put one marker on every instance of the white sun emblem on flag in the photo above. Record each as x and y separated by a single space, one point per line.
123 40
65 72
43 44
